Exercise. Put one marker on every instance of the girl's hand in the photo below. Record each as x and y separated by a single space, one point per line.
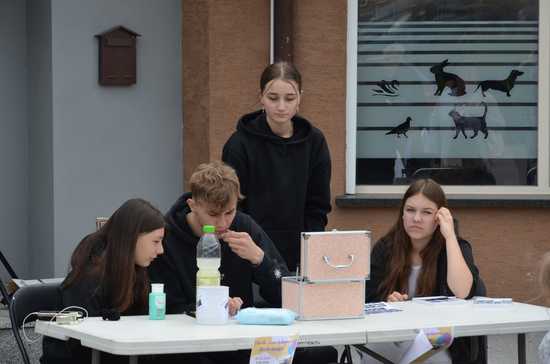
234 305
445 221
397 297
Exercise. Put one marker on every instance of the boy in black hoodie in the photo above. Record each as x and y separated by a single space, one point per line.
247 254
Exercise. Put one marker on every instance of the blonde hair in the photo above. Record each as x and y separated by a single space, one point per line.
544 276
215 183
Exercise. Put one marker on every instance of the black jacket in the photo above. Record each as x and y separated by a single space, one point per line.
285 181
463 350
177 267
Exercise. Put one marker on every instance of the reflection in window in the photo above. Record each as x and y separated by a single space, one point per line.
447 89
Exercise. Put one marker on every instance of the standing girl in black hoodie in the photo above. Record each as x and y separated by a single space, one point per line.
283 163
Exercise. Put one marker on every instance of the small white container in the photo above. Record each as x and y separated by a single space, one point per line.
157 302
212 305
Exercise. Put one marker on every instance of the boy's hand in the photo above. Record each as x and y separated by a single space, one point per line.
234 305
242 244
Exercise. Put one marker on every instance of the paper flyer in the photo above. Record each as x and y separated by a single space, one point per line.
439 300
379 307
427 343
274 350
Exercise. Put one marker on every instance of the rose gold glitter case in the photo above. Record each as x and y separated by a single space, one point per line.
334 265
332 255
324 299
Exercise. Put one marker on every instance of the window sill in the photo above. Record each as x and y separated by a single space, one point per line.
390 200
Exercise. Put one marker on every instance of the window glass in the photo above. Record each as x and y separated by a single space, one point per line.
447 89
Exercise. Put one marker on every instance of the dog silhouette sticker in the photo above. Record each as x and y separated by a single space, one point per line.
505 85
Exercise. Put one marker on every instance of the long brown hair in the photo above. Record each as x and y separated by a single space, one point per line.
400 246
108 255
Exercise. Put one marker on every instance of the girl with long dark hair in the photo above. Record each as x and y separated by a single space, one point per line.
108 273
421 255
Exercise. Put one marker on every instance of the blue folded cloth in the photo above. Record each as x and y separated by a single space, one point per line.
265 316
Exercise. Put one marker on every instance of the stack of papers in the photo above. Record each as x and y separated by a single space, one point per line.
439 300
379 307
492 301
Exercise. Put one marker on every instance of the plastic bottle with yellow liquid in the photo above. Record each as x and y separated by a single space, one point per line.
208 257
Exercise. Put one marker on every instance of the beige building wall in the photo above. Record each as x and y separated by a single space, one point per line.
226 46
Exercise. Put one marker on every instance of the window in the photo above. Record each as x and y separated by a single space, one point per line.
454 90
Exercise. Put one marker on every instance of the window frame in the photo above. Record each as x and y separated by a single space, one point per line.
540 191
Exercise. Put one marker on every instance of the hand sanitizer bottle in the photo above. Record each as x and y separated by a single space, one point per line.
157 302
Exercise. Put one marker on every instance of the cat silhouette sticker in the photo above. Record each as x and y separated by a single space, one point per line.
402 128
475 123
386 88
505 85
445 79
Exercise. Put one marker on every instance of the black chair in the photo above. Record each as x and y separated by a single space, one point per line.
28 299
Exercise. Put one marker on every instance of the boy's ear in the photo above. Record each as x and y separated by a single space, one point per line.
191 203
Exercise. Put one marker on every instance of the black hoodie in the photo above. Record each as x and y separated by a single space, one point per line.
177 267
285 181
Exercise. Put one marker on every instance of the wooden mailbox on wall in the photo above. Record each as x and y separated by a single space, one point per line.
117 57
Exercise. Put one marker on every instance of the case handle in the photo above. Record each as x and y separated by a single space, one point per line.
339 266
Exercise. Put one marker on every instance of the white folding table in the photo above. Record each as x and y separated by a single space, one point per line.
506 326
137 335
513 330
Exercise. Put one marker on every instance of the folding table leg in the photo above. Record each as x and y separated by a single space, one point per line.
345 358
521 348
96 356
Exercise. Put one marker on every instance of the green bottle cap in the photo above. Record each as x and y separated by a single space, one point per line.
208 229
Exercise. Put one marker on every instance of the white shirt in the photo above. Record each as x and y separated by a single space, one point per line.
413 280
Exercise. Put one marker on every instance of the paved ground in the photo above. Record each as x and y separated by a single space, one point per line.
9 352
